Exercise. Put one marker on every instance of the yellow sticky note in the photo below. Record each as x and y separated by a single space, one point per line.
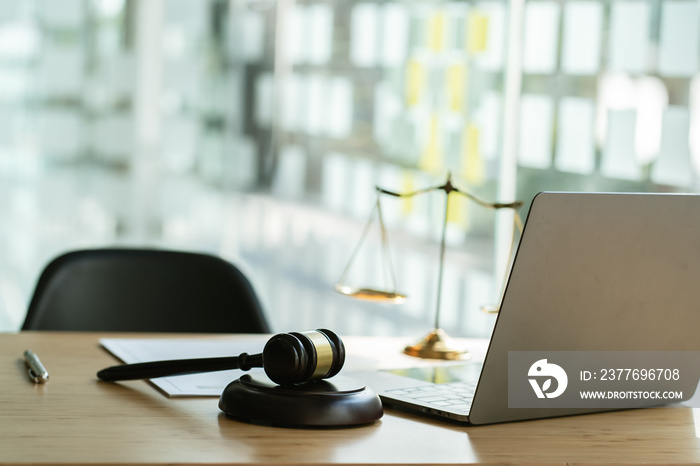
456 87
407 186
472 161
457 210
477 32
436 31
431 161
415 82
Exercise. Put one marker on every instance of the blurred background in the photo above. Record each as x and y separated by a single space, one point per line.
257 130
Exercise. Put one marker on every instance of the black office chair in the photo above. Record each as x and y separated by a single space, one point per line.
144 290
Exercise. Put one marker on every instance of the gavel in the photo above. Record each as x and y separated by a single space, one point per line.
287 358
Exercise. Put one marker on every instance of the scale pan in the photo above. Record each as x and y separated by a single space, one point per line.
369 294
490 308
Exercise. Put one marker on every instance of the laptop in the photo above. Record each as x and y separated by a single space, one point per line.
593 272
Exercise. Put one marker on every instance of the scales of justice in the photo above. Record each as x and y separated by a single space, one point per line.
437 344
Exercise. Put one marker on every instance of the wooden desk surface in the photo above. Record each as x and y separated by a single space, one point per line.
76 419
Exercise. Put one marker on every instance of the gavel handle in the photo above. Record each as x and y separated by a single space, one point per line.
152 370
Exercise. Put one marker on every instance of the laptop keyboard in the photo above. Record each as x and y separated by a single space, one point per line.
455 396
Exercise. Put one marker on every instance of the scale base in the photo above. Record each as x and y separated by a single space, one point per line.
338 402
437 345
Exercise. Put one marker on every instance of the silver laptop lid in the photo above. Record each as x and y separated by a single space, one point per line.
596 271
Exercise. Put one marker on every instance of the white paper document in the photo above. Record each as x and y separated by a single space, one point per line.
134 350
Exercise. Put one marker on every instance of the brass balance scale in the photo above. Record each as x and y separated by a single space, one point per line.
437 344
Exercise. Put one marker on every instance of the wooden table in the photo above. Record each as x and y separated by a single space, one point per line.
76 419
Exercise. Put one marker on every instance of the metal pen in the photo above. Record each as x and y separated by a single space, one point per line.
36 370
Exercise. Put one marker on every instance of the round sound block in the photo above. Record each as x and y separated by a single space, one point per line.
337 402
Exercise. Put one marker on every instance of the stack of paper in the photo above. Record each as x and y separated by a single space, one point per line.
134 350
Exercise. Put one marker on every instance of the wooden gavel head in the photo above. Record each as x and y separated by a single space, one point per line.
298 357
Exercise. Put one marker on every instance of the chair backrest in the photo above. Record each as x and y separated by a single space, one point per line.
144 290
